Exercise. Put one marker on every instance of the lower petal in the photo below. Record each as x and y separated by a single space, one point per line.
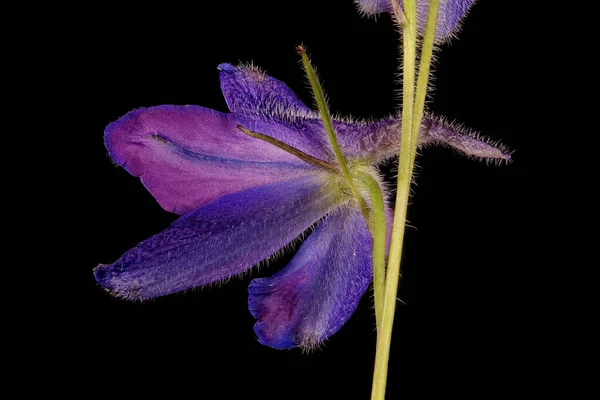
319 290
217 241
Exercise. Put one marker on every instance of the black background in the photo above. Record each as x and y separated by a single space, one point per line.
468 217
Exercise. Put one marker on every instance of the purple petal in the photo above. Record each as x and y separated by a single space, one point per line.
307 135
217 241
313 296
264 110
188 156
451 13
268 106
251 92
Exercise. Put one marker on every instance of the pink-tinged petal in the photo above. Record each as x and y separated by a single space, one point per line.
188 156
313 296
219 240
451 13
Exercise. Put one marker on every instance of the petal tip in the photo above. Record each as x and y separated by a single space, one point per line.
277 343
108 278
121 137
266 329
102 274
226 67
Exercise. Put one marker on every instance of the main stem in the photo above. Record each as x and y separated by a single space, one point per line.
412 113
384 336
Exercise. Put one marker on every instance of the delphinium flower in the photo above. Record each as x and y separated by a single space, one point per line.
247 184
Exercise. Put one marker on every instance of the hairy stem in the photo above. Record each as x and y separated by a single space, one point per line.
407 23
379 232
423 79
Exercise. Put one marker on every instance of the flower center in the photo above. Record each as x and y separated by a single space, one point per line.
345 187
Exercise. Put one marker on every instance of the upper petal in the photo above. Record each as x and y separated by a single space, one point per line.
266 105
313 296
451 12
219 240
374 7
188 156
250 91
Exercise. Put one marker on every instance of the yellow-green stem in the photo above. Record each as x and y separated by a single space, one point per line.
379 232
384 336
410 130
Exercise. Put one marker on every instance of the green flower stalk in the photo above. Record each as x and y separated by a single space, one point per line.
410 22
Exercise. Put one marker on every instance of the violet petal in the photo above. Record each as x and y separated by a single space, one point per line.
313 296
219 240
266 105
251 92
